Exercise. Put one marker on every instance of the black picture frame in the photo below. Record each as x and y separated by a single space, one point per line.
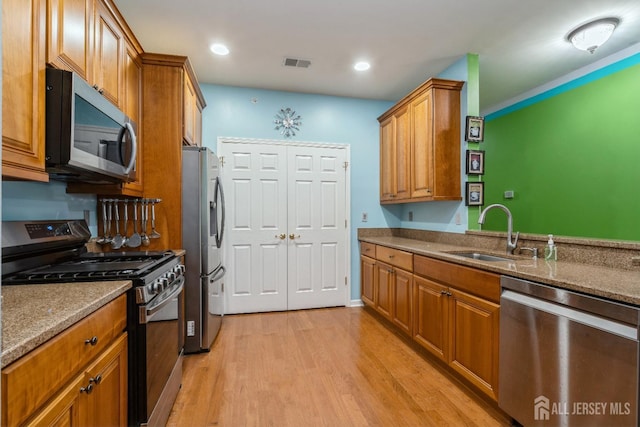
474 194
474 129
475 162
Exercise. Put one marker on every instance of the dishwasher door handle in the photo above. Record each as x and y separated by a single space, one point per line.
597 322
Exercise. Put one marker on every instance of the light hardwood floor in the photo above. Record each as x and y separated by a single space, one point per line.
325 367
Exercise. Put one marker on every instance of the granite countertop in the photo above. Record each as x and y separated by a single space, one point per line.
612 283
32 314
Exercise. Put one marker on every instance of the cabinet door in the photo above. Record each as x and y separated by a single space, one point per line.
387 160
422 146
132 108
108 55
96 397
367 284
475 330
402 144
107 403
402 290
431 315
384 289
189 112
64 408
23 90
68 35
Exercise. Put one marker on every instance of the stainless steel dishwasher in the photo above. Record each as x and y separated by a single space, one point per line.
566 359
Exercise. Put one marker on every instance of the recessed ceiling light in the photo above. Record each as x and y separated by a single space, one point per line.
362 66
219 49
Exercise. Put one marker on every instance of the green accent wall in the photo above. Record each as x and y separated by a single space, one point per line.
473 109
572 158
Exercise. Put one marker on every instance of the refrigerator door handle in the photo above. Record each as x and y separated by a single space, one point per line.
219 275
219 232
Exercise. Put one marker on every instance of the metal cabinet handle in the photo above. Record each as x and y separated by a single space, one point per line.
293 236
96 380
88 389
93 340
391 256
281 236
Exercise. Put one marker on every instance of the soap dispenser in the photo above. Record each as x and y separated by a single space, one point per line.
550 251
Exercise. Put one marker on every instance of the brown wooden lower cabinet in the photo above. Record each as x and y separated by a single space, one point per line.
388 290
450 310
383 280
96 397
367 273
475 330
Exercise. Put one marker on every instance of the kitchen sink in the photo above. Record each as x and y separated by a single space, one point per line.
480 256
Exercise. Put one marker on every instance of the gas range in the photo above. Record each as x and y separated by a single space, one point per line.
35 252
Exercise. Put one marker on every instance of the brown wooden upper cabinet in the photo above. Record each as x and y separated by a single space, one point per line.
420 145
23 90
109 58
89 37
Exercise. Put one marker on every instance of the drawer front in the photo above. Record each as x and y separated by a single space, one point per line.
368 249
395 257
35 377
476 282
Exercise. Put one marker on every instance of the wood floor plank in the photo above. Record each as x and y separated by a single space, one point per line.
324 367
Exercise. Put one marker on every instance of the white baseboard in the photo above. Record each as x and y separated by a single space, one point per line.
356 303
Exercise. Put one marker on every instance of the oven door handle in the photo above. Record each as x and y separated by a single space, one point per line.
147 313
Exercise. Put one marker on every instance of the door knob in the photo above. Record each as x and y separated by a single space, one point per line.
293 236
281 236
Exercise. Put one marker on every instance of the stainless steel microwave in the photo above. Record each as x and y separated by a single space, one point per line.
88 139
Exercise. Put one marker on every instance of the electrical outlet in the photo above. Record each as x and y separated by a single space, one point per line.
191 328
458 220
365 217
508 194
410 215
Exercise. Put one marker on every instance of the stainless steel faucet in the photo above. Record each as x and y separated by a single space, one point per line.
511 245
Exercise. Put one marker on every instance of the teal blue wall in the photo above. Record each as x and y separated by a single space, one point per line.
40 200
249 113
570 154
445 216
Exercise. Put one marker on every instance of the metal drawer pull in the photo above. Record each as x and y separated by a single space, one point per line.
281 236
96 380
293 236
93 340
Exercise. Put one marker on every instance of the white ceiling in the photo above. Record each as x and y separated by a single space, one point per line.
521 44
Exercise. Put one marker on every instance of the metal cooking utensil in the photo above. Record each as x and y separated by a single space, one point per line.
144 210
103 240
134 240
154 233
109 209
118 240
126 222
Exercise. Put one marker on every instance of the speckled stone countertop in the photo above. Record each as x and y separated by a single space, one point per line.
612 283
32 314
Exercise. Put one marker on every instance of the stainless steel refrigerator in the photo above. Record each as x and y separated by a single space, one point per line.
202 233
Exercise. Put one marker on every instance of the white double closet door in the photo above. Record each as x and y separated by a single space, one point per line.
286 232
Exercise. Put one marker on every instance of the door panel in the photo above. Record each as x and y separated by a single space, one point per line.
317 214
287 226
255 179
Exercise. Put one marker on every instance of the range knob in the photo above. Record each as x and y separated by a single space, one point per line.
179 269
171 276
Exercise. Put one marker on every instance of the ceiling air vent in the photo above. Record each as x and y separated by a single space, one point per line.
299 63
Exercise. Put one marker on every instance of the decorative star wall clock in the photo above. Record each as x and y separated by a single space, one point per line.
287 122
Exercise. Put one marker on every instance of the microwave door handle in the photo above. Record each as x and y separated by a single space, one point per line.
134 147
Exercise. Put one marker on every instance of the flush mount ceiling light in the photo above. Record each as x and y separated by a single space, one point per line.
362 66
592 35
219 49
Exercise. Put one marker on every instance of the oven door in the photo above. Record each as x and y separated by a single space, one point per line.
162 321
